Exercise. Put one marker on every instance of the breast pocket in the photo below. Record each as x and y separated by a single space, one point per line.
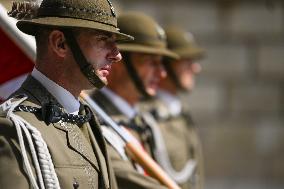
73 177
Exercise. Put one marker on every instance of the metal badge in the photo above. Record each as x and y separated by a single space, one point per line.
189 37
161 32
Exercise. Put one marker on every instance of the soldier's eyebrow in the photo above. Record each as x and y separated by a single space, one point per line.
78 31
101 33
105 36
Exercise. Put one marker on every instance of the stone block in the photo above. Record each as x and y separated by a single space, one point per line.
256 97
231 150
225 60
195 17
271 61
256 18
206 97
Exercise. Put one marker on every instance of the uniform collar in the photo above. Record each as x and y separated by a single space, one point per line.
123 106
172 102
64 97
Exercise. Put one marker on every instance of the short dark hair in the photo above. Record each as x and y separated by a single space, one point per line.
41 38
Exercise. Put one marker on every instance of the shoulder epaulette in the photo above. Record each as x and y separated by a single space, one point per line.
11 104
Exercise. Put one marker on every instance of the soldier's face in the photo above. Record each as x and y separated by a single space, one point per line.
150 70
100 50
186 69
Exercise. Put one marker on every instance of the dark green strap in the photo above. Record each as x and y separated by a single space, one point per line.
172 75
85 67
134 76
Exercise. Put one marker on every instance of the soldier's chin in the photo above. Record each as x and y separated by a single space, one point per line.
102 76
151 91
104 79
189 86
97 81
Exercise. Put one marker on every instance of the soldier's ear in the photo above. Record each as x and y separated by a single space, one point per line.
57 43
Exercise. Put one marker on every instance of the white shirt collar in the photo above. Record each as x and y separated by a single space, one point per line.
171 101
64 97
123 106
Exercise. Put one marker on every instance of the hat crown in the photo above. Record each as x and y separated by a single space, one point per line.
178 38
84 14
143 28
93 10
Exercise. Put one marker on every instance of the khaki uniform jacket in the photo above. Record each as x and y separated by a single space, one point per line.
126 174
78 154
194 139
181 139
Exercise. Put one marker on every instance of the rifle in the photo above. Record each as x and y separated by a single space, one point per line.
137 153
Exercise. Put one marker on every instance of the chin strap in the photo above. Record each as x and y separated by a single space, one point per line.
134 76
85 67
172 75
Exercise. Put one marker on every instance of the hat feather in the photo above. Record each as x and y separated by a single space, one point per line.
24 10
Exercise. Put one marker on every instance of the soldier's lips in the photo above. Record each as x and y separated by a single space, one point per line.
154 84
105 71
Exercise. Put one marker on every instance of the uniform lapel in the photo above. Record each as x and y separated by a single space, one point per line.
77 141
36 92
100 149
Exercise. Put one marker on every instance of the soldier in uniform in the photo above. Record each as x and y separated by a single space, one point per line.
142 60
176 127
46 140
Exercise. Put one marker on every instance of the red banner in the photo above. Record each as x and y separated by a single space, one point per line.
13 61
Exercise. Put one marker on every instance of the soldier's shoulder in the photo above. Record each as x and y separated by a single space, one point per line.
6 127
13 103
6 124
156 107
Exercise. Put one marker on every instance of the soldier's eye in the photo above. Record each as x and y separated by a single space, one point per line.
102 38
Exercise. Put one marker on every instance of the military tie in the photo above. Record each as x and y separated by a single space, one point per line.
84 127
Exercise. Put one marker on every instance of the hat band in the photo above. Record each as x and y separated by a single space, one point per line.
148 41
95 15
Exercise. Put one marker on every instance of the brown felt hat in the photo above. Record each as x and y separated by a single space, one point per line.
149 37
90 14
183 43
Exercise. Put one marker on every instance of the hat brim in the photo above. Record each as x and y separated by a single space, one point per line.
146 49
31 26
190 52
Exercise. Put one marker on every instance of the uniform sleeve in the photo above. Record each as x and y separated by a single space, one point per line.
127 176
12 174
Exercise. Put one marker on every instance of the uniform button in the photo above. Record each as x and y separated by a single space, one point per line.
75 184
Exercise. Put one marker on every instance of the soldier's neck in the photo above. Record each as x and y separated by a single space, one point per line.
169 86
57 75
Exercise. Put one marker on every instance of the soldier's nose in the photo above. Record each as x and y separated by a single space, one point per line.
114 55
162 71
